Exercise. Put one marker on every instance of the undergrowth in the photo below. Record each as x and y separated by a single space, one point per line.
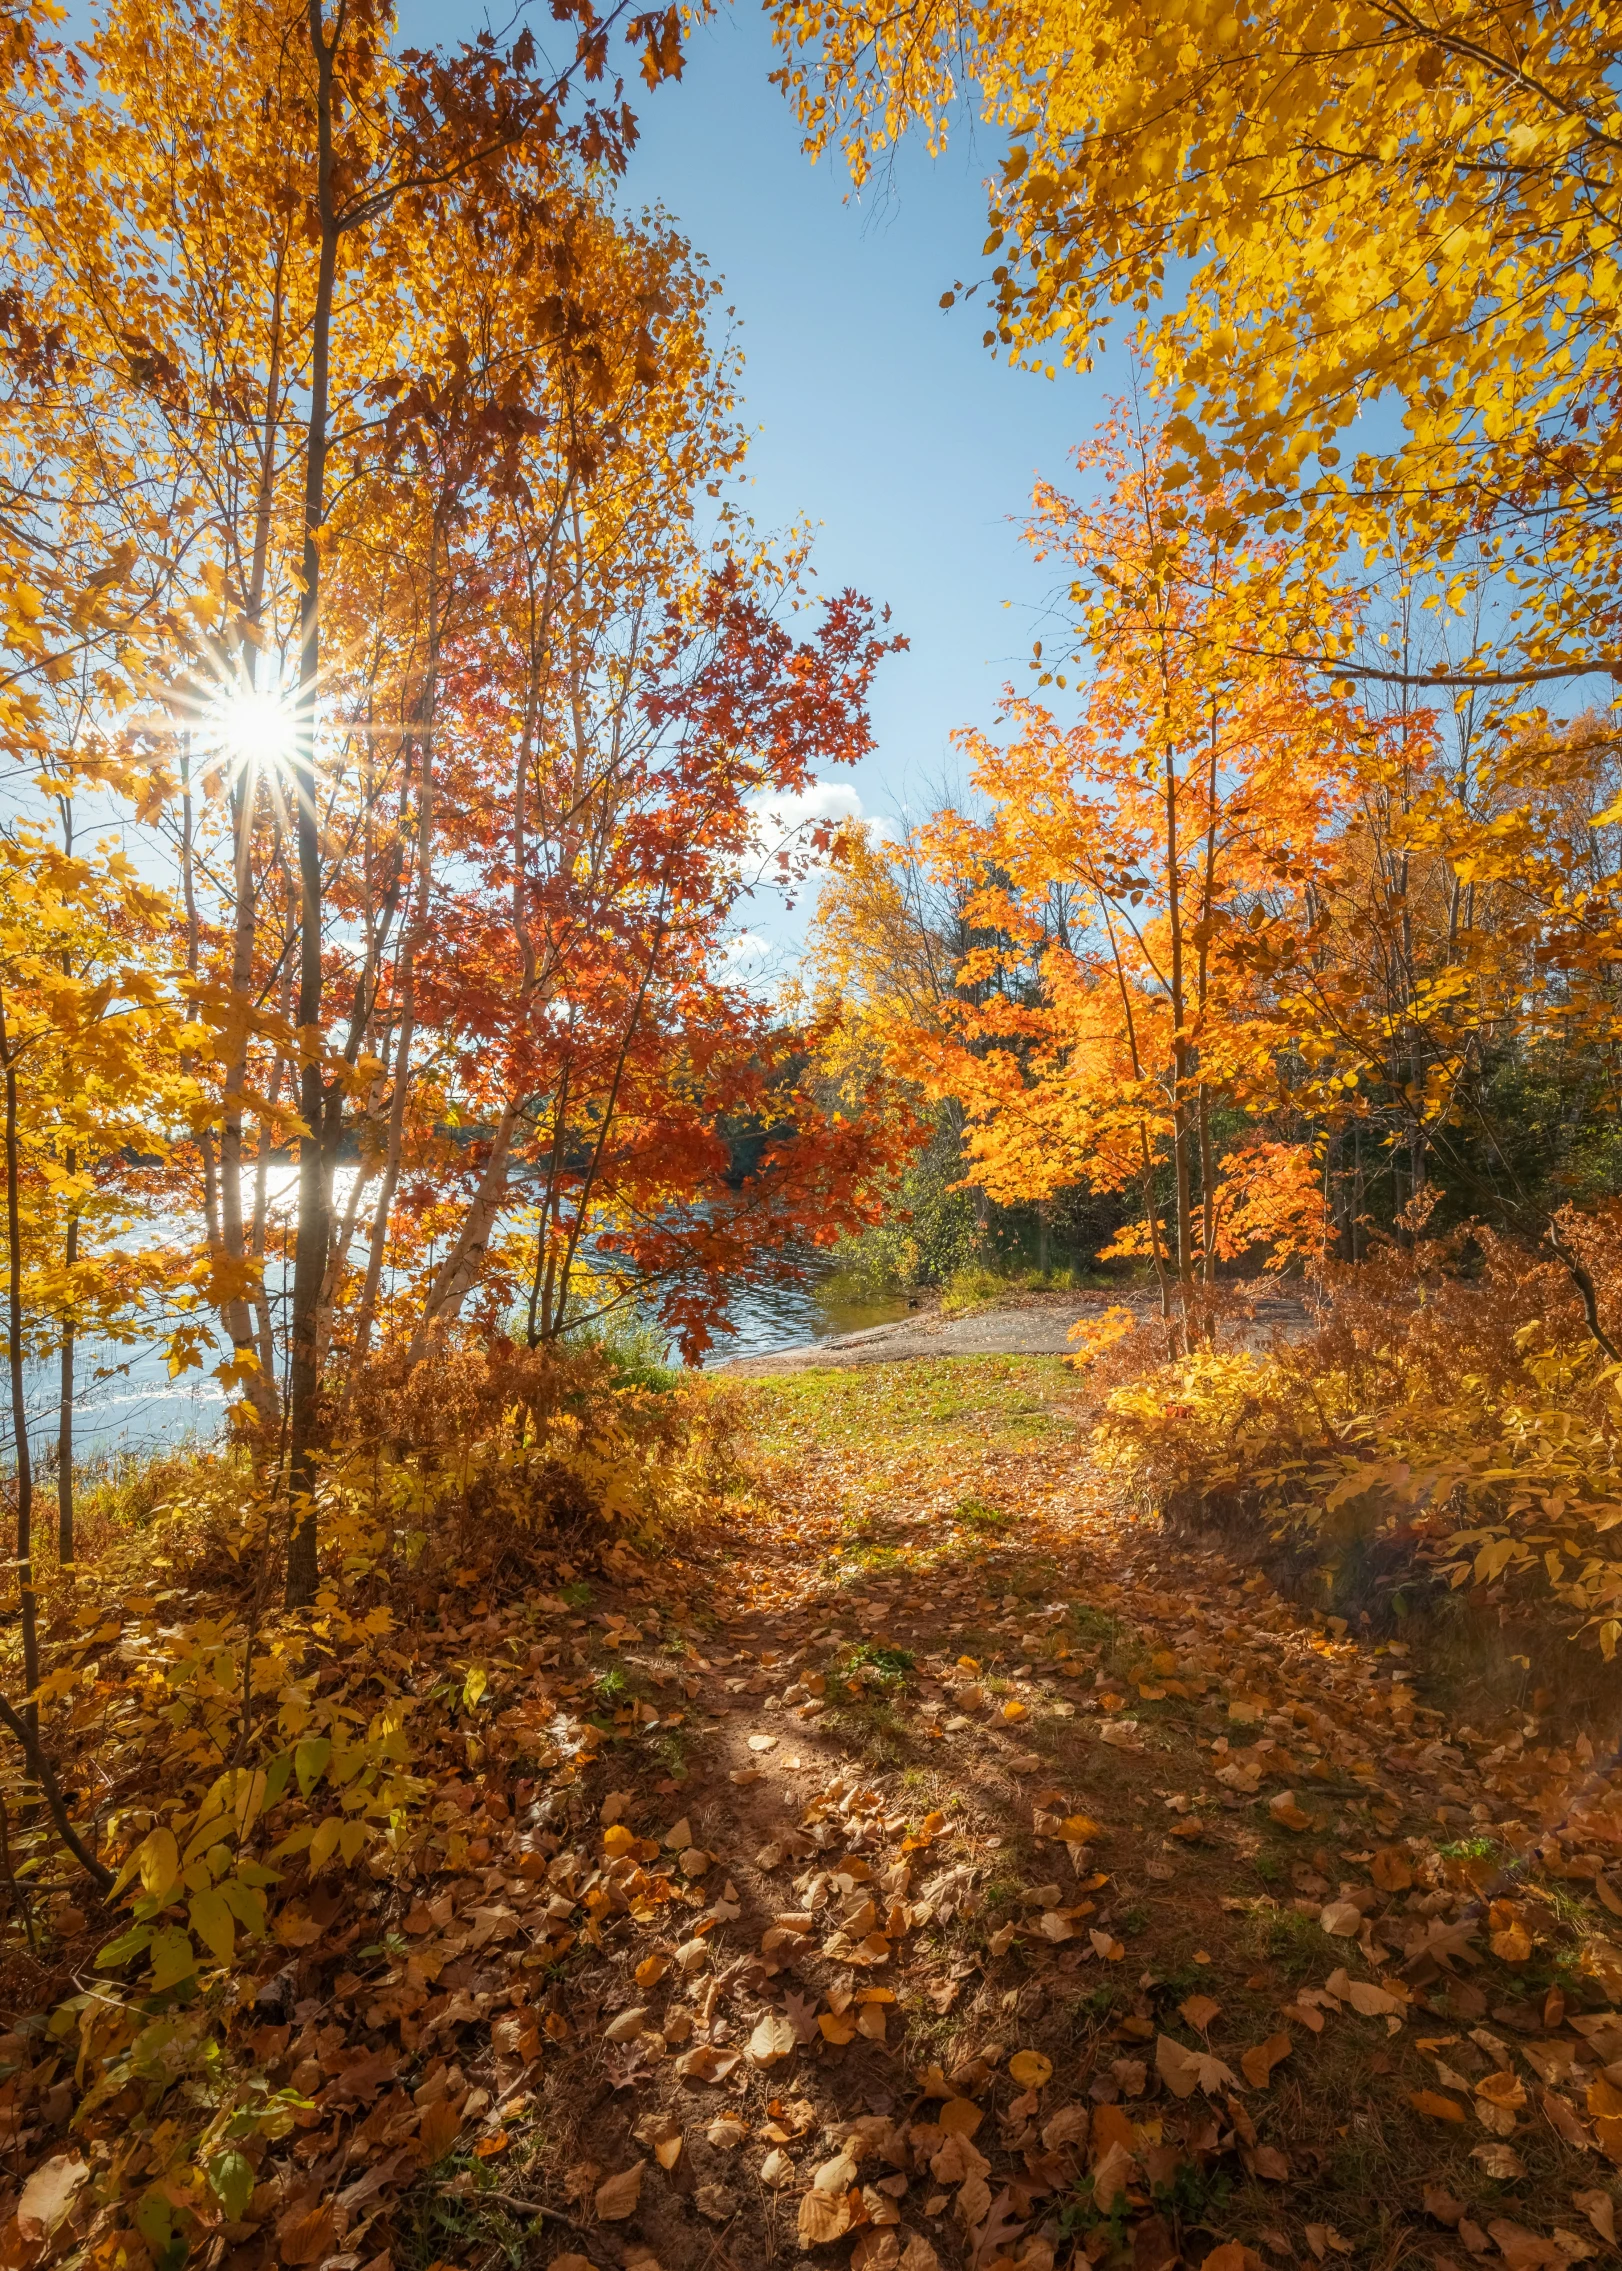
225 1767
1448 1430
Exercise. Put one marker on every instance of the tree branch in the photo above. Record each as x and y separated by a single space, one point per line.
45 1775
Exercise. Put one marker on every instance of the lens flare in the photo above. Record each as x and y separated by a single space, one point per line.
257 731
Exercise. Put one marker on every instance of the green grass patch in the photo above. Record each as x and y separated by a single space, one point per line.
914 1406
875 1660
979 1514
436 2224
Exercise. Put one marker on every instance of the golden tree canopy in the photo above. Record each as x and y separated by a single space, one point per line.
1374 249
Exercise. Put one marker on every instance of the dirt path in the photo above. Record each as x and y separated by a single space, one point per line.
1034 1324
962 1874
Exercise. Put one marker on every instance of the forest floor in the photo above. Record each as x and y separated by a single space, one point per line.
938 1867
1001 1881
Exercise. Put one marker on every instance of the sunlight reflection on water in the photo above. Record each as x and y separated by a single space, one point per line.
137 1406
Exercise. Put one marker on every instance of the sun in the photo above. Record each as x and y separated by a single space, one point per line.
257 730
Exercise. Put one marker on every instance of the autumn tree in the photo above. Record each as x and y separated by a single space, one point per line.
92 1034
362 467
1181 814
236 221
1373 252
890 944
1451 1006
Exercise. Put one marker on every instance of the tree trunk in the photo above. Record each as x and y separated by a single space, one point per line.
315 1147
19 1404
236 1311
456 1273
1181 1118
64 1406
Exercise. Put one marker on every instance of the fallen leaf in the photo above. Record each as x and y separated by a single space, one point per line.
777 2169
825 2209
1066 2127
661 2133
1438 2107
1184 2071
1523 2250
1258 2062
1342 1919
1322 2236
705 2063
48 2195
973 2201
1109 2178
1391 1869
1503 2088
306 2236
626 2027
1031 2069
1575 2247
1600 2209
1499 2161
956 2160
1199 2011
773 2039
438 2130
1287 1812
618 2195
1304 2015
1372 2002
1153 2248
1441 2205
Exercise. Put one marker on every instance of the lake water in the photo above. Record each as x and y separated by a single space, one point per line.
136 1406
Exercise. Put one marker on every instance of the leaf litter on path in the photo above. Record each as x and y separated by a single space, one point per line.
796 1940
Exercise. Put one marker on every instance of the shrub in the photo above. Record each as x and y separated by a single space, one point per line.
1450 1419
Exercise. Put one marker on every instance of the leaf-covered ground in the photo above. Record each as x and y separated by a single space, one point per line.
932 1866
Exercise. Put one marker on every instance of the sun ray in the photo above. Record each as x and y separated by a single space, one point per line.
256 729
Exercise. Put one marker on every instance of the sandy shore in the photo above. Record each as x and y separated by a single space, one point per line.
1031 1324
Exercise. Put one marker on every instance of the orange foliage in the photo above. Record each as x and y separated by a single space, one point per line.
1111 1012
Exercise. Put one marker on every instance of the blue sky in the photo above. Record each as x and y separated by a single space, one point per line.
877 414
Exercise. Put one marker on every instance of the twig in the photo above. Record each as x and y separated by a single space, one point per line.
260 1583
14 1884
519 2207
45 1776
1580 1278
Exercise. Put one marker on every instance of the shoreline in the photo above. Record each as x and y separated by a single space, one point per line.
1027 1324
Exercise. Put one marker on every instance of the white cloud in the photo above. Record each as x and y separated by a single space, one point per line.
777 818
